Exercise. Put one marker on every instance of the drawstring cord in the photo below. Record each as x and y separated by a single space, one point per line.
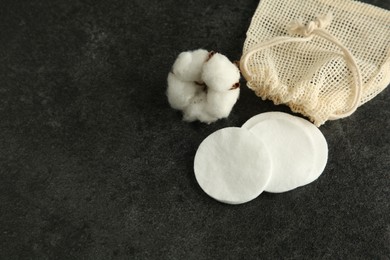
308 31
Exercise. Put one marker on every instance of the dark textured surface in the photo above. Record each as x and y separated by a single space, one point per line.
94 164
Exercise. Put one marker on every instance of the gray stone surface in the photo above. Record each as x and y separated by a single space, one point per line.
94 164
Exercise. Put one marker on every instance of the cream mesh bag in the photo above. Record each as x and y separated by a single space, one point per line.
323 58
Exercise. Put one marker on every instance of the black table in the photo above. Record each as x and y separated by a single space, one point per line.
94 164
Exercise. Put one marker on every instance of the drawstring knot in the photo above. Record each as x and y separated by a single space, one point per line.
320 22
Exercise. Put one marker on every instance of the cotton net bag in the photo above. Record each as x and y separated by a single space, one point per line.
322 58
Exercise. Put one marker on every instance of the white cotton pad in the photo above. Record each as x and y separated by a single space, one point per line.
318 138
232 166
298 149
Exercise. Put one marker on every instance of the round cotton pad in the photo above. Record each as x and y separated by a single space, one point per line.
293 148
232 166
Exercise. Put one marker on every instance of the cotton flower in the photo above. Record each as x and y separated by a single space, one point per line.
219 73
180 92
188 65
204 85
197 110
220 104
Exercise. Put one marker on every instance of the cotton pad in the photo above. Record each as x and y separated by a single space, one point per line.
298 149
232 166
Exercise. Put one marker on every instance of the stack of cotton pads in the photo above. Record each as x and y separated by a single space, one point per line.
273 152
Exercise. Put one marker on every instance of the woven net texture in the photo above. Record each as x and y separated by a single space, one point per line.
314 77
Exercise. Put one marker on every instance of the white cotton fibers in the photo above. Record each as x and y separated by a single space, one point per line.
219 74
220 103
196 110
188 65
180 92
203 85
211 106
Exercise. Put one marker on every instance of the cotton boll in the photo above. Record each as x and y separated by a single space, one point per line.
180 92
211 106
220 104
195 107
188 65
204 102
219 74
197 110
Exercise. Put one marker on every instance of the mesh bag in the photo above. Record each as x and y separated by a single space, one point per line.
323 58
